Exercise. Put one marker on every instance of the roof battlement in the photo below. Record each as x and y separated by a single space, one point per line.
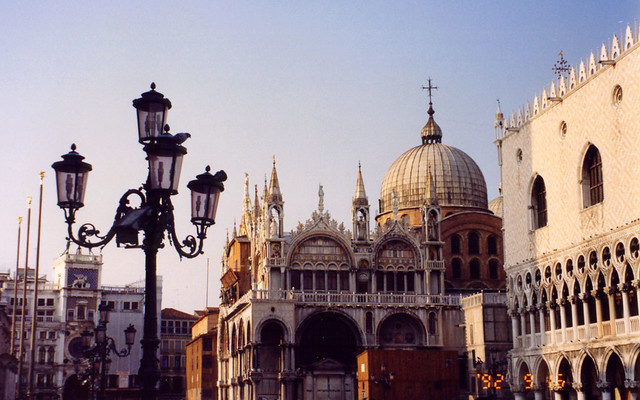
577 76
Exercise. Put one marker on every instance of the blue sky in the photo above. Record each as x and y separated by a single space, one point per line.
320 85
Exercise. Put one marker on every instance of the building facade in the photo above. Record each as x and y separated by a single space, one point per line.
202 366
299 306
175 333
571 201
67 306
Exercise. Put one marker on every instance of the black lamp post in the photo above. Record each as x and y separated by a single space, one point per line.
386 379
99 355
153 216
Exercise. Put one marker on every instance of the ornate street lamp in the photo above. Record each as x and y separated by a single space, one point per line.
153 216
99 355
152 114
386 379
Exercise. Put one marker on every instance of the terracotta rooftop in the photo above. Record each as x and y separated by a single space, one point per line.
168 313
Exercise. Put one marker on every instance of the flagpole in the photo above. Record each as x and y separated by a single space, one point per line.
12 347
24 301
206 305
34 316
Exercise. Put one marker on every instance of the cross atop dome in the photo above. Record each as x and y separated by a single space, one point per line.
429 88
431 133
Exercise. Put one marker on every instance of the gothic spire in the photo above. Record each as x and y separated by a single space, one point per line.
274 186
431 195
256 206
246 208
246 202
360 197
265 191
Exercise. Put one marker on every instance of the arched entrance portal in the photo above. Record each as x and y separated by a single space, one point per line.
564 381
616 378
589 378
525 380
542 379
272 361
328 344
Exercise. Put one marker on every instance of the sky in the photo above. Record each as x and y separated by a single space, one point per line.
319 85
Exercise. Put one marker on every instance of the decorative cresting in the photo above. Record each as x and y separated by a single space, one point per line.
567 83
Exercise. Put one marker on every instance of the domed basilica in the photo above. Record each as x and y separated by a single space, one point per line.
386 308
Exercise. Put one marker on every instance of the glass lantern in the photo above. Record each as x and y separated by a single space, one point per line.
71 179
101 333
103 313
205 194
130 335
152 109
165 163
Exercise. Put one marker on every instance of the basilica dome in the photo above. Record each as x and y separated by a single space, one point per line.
457 179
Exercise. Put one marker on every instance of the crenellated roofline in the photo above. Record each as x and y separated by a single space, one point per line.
609 54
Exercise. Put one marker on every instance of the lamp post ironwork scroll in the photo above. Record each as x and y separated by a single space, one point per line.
386 379
99 355
153 214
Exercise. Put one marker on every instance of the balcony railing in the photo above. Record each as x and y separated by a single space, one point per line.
581 332
324 298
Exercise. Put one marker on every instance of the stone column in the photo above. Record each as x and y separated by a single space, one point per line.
597 295
552 320
374 282
514 327
563 319
585 310
574 316
532 322
518 394
523 326
636 284
633 388
538 394
605 389
284 279
625 307
543 328
611 294
577 386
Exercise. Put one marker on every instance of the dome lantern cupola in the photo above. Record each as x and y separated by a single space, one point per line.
431 133
433 171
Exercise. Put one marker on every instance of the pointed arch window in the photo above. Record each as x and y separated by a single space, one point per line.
492 245
539 203
592 182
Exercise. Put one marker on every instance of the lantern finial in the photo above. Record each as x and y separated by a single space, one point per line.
153 86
